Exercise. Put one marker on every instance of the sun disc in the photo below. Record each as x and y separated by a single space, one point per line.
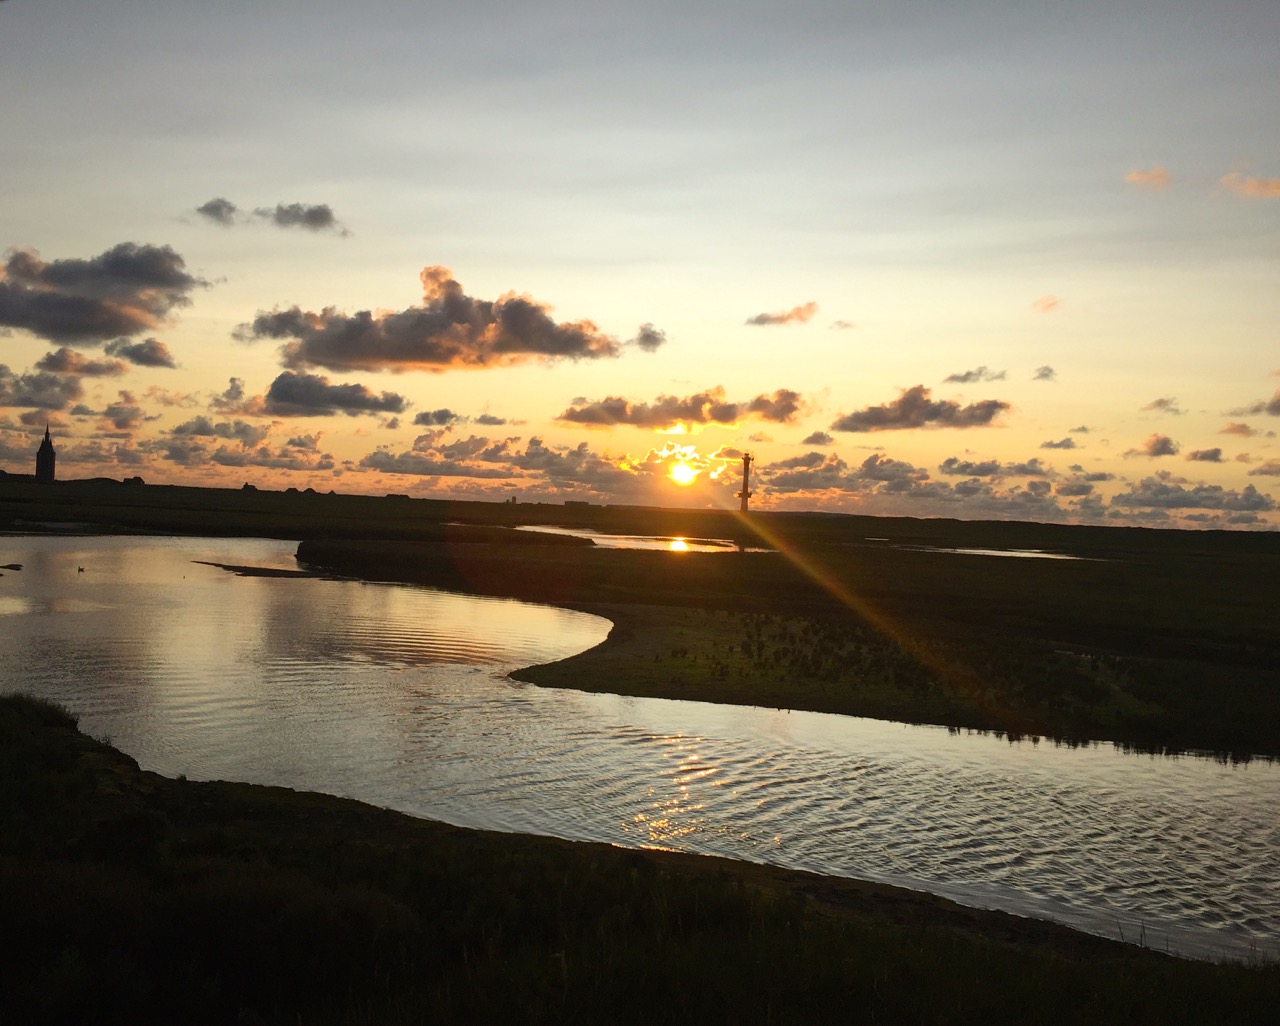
683 474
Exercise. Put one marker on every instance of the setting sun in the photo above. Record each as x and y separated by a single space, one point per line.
683 474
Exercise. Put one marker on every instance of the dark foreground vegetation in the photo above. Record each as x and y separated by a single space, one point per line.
126 897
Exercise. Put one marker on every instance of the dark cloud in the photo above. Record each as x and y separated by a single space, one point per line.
124 291
311 395
975 375
235 430
707 407
149 352
914 409
796 315
1206 455
1155 446
1269 469
1270 407
316 217
955 467
1045 373
219 210
450 330
125 415
649 338
1163 492
43 390
1074 489
68 361
1082 429
818 438
1062 443
489 420
436 418
1167 404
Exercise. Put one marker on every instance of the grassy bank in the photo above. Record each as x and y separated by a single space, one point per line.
131 898
1174 650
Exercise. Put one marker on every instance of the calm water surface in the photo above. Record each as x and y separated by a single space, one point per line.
401 696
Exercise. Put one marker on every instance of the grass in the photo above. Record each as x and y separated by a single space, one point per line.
131 898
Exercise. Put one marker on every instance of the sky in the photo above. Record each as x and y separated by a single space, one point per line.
983 260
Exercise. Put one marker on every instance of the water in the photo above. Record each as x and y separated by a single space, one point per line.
401 697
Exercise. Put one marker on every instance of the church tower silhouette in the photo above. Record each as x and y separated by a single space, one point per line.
45 459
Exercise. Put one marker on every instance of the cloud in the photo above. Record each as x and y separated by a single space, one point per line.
914 409
125 415
1081 429
1156 445
1206 456
235 430
1236 428
220 211
1162 492
1251 188
43 390
317 217
68 361
648 338
1062 443
489 420
818 438
1073 489
977 374
450 330
707 407
1155 179
796 315
311 395
126 290
1046 304
842 325
1045 373
1271 407
149 352
1165 405
436 418
1269 469
955 467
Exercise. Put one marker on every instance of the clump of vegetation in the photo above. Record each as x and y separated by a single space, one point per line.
130 898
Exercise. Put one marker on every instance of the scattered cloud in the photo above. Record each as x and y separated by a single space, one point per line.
1271 407
1155 179
1045 373
1250 188
707 407
489 420
1155 446
1046 304
818 438
842 325
1205 456
123 291
314 217
975 375
914 409
648 338
149 352
1164 492
69 361
1165 405
43 390
796 315
233 430
449 330
219 211
1269 469
1237 428
311 395
956 467
436 418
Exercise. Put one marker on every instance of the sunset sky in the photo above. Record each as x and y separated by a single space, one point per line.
978 260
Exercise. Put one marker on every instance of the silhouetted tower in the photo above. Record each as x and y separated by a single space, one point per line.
745 494
45 459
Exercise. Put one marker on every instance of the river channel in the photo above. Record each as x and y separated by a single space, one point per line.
402 697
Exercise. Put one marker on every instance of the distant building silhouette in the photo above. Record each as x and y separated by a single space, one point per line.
45 459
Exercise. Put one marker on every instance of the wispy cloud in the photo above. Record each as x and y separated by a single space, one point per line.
1155 179
1250 188
796 315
